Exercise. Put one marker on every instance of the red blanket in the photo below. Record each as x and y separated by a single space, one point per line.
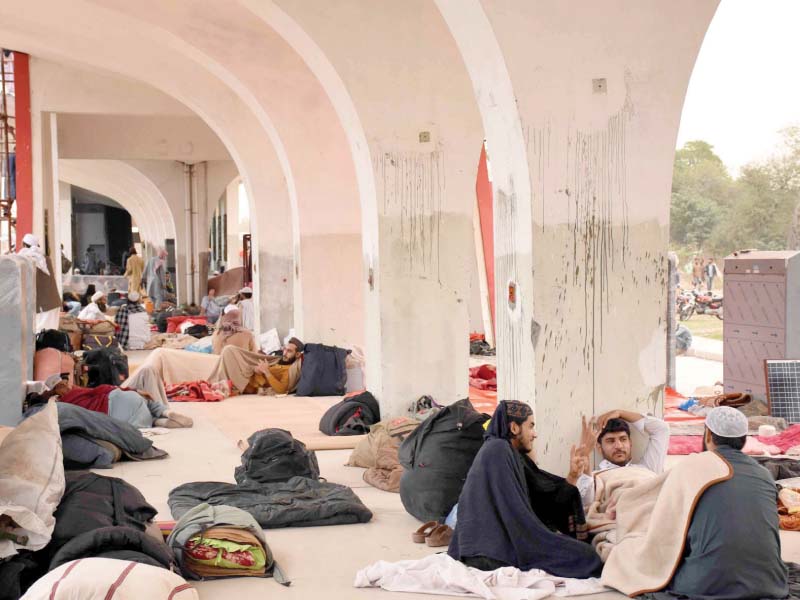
193 391
173 323
483 377
94 399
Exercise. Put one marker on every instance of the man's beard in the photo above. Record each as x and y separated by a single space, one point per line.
101 306
284 361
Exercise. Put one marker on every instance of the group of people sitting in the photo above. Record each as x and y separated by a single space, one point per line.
511 513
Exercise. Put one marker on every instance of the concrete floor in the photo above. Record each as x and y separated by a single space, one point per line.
321 561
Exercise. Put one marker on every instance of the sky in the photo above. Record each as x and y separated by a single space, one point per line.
745 86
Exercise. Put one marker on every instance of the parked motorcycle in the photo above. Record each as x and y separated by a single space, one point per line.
708 304
685 304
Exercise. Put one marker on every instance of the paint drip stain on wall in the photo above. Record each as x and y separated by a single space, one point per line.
413 188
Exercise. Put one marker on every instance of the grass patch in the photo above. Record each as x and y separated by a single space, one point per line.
706 326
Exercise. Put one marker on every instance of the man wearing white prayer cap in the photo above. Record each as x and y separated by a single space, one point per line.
31 250
733 548
247 309
95 310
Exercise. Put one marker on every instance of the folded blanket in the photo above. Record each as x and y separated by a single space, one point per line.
784 440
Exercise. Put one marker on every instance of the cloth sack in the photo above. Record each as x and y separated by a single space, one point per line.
68 323
198 543
138 330
103 327
103 578
383 434
93 341
273 455
31 480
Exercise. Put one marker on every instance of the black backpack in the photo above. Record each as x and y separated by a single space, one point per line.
323 372
351 416
436 458
274 455
53 338
106 366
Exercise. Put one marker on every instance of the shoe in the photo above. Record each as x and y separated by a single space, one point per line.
423 532
440 536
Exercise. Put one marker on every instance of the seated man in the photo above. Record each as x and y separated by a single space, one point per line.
95 310
504 500
130 406
614 444
727 556
229 332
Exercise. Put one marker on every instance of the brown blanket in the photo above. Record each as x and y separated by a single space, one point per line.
653 519
601 517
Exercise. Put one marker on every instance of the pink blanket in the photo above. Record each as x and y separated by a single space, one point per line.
691 444
785 439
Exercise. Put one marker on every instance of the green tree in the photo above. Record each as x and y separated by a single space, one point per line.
702 189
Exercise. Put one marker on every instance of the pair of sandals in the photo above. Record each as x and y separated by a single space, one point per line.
433 534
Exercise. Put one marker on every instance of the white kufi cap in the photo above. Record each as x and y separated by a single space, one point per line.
30 239
727 422
246 290
96 296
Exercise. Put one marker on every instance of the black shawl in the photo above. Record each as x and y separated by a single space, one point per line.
496 518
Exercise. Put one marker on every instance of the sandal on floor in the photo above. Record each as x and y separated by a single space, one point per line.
440 536
423 532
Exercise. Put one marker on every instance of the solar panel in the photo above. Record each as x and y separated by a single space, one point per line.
783 388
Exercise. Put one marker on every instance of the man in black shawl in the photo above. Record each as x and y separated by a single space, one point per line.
511 513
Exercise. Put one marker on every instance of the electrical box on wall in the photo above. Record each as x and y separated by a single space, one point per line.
761 293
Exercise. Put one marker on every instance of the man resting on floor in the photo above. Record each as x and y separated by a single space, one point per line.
511 513
252 372
131 406
612 432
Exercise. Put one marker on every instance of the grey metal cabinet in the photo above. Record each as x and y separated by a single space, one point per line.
762 316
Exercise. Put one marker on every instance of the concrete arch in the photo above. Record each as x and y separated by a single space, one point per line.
42 33
127 186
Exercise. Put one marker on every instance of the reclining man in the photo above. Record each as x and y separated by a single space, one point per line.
277 376
131 406
713 564
612 433
511 513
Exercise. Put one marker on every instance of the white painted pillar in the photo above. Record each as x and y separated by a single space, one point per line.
65 217
235 227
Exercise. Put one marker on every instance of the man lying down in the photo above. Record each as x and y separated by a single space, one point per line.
134 407
511 513
706 530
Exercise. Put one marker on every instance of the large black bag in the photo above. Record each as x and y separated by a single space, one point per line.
53 338
273 455
106 366
351 416
436 458
323 372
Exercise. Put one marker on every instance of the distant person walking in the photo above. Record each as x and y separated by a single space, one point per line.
697 273
134 267
155 278
711 273
90 266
